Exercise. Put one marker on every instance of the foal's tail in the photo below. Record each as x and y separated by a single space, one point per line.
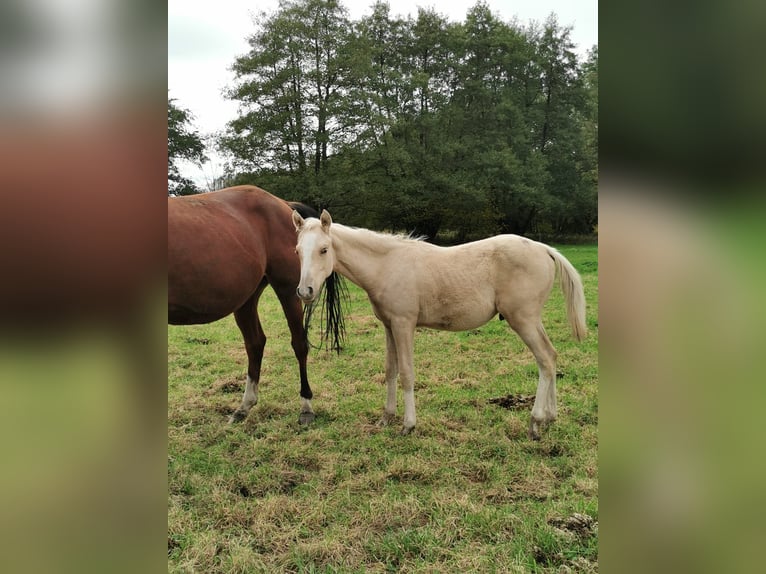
571 285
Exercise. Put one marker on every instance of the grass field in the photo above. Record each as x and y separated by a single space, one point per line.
467 491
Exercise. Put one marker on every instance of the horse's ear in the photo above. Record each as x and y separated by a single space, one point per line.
325 219
297 220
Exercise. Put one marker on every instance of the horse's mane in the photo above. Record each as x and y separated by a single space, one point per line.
384 236
303 209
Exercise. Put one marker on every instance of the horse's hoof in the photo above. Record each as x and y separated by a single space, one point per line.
237 416
406 430
533 433
306 418
385 420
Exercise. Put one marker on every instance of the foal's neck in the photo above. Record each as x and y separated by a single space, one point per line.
357 252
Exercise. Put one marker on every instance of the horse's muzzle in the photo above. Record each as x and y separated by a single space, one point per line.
305 293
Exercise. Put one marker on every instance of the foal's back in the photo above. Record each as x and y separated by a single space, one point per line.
463 287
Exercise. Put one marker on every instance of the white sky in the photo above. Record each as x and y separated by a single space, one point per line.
205 37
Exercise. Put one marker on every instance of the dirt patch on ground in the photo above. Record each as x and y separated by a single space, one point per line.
226 386
580 524
198 340
514 402
172 545
572 529
225 410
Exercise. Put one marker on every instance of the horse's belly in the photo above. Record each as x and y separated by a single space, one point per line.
458 317
198 297
181 315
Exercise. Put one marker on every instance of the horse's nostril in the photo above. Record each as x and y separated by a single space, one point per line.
305 292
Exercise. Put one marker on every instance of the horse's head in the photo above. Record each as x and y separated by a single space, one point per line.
316 253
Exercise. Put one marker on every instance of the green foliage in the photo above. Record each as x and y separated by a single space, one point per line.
183 143
420 124
467 492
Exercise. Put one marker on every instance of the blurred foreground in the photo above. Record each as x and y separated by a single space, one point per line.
682 277
681 388
82 230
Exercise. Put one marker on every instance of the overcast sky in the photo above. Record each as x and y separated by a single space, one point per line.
205 37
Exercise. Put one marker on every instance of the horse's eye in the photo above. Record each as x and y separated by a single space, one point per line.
323 250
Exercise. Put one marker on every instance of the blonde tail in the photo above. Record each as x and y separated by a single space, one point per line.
571 286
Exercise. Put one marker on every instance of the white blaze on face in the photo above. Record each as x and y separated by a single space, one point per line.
306 251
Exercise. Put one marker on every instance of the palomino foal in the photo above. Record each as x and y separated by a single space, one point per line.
411 283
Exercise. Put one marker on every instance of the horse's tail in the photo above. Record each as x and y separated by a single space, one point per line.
332 324
574 295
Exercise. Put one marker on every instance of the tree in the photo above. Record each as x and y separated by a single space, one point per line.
588 198
455 130
559 110
184 143
289 88
493 124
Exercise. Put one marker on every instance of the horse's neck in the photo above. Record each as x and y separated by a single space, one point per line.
357 254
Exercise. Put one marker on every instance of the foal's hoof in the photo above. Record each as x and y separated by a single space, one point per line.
406 430
237 416
306 419
534 429
385 420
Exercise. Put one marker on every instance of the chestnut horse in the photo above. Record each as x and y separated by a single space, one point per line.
224 248
411 283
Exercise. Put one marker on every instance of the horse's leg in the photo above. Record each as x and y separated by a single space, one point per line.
533 333
293 310
392 372
255 340
404 333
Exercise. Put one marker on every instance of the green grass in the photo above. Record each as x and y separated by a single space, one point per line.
466 491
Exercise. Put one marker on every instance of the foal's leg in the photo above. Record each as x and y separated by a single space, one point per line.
533 333
404 334
255 341
392 372
293 310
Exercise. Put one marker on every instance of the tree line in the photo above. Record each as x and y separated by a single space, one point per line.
184 143
448 129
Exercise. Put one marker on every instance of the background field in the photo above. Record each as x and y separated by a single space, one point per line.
467 491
